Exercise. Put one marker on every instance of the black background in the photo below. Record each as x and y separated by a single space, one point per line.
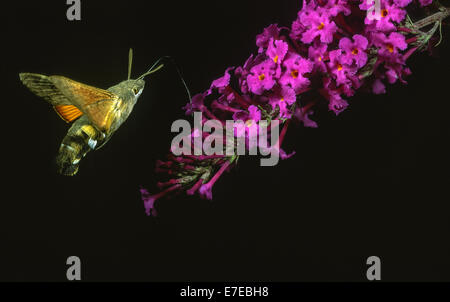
372 181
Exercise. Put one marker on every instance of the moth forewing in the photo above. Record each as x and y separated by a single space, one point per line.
98 104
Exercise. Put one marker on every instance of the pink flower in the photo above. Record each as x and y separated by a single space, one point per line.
396 72
296 67
319 25
389 13
270 32
276 51
378 87
389 46
253 114
354 51
250 119
339 69
317 54
205 191
297 29
335 102
282 98
149 202
261 77
221 82
196 104
243 72
402 3
425 2
303 116
334 7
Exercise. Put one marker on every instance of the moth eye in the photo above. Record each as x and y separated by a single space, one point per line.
135 90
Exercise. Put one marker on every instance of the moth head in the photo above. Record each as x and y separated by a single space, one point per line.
137 86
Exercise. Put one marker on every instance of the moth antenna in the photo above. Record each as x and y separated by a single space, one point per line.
130 62
152 69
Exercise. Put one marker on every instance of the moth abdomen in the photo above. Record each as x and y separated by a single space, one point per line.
80 139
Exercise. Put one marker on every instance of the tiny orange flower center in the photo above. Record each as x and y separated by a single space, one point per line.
262 77
319 59
321 26
384 13
282 100
339 67
275 59
249 123
294 73
390 47
355 51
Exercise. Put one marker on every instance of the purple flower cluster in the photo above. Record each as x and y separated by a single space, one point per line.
331 50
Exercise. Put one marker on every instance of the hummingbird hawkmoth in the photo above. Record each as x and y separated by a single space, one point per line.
96 113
